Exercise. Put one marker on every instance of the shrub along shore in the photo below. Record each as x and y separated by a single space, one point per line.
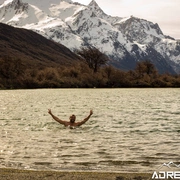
80 75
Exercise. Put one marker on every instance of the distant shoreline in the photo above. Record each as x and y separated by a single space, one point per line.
6 174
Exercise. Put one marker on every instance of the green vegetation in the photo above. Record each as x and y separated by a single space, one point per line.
15 75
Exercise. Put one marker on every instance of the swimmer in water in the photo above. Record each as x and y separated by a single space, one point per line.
71 123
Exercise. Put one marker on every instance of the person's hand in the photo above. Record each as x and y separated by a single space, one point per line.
91 112
49 111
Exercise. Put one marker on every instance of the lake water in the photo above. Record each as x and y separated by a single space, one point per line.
134 130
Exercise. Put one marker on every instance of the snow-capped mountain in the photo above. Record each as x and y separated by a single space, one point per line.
124 40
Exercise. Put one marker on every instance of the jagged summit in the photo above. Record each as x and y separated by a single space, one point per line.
47 1
10 9
11 2
93 6
6 2
144 29
125 40
93 3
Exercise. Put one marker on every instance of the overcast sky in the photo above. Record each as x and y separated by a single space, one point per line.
164 12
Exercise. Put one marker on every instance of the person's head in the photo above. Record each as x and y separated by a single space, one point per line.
72 118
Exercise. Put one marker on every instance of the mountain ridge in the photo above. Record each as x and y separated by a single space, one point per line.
29 60
125 40
33 49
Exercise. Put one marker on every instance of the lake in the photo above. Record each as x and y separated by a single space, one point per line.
132 130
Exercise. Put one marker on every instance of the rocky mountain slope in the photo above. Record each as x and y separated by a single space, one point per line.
125 40
33 49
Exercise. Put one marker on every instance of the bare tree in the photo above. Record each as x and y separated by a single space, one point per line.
146 67
93 57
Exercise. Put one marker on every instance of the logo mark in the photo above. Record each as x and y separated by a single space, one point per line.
170 165
167 174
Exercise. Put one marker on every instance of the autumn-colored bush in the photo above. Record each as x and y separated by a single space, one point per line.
13 75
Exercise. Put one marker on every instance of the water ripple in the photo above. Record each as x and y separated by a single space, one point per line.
130 130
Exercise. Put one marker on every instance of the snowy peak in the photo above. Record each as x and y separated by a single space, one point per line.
10 9
12 3
9 2
93 5
46 3
124 40
139 30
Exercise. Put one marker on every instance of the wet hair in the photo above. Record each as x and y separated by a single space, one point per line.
74 118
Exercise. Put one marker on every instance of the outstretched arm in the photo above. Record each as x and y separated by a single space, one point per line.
56 118
86 119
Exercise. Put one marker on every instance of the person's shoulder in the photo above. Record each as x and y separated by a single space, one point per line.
66 123
77 124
